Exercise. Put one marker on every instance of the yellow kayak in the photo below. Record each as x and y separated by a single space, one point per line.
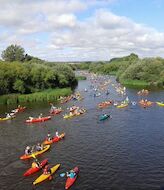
122 106
43 177
160 104
24 157
68 116
6 118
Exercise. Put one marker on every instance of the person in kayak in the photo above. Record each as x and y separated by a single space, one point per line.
40 115
49 138
31 118
57 134
47 170
8 115
36 164
39 147
71 174
28 150
53 107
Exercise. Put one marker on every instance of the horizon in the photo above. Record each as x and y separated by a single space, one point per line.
83 30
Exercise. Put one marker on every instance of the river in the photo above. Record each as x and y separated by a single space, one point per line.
122 153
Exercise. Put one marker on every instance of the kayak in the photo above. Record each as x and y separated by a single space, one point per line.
43 177
6 118
42 119
24 157
57 111
103 117
70 181
67 116
104 104
160 104
21 109
55 139
34 170
122 106
145 104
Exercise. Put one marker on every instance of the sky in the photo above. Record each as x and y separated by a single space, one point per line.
83 30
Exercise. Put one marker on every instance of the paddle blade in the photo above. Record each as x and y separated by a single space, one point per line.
33 156
62 175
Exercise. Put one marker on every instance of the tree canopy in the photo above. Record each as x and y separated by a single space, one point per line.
13 53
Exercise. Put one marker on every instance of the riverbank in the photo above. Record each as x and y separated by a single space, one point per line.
131 71
46 95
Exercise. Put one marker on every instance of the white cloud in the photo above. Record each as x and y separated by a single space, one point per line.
99 37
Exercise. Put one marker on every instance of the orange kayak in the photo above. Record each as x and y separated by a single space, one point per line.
55 139
24 157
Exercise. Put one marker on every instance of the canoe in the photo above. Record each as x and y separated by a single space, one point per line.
24 157
43 177
36 169
70 181
103 117
6 118
160 104
42 119
122 106
55 139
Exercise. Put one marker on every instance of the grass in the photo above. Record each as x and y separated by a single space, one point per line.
46 95
135 84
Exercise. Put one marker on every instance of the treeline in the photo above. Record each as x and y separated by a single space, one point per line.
131 70
32 75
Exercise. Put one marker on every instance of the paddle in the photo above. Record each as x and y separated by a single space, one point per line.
33 156
62 174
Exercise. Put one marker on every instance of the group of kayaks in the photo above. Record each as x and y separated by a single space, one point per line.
43 163
13 113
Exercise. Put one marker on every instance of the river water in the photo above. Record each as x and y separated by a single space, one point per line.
122 153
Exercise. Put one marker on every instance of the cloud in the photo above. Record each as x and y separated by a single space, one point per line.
53 30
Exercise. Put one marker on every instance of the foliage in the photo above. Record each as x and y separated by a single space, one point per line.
13 53
132 71
46 95
30 77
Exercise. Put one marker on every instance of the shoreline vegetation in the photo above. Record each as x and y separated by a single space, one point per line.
46 95
130 71
24 78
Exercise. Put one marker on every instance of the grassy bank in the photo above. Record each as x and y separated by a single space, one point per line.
135 84
46 95
81 77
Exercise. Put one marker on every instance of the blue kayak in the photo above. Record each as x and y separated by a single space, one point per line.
103 117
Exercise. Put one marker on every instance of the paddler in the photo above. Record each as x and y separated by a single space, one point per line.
57 134
40 115
28 150
49 138
36 164
39 147
47 170
71 174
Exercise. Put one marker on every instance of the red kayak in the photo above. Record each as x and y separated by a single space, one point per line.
33 170
70 181
38 119
21 109
57 111
55 139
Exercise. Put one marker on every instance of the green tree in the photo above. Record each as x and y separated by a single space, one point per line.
19 86
13 53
